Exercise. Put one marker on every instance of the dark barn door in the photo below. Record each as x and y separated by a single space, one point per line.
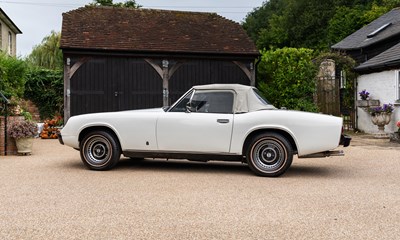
114 84
204 72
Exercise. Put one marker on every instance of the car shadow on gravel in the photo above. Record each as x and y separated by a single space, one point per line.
309 171
183 165
217 167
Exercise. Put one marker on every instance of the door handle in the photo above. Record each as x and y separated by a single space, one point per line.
223 120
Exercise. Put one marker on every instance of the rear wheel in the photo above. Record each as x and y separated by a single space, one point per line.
100 150
269 154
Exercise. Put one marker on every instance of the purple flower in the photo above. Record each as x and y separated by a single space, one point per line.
385 108
364 94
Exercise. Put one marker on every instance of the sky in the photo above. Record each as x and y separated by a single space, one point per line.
37 18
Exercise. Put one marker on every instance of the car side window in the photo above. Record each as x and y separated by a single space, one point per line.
212 102
181 106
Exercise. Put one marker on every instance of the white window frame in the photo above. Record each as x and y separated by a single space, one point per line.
1 36
10 38
397 85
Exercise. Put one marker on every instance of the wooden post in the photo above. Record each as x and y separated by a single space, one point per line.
165 78
67 90
253 75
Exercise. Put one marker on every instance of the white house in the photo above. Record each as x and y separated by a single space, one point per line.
376 48
8 34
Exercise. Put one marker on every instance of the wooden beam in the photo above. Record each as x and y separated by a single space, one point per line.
155 66
165 71
77 65
250 72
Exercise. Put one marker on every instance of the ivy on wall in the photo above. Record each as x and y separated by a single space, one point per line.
45 88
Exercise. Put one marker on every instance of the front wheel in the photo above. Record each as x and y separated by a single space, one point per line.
269 154
100 150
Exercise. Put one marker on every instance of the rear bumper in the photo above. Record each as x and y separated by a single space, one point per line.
345 140
60 138
336 153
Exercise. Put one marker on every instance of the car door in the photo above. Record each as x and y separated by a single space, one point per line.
205 126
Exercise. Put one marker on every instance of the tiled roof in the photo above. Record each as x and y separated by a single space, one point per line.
149 30
388 58
360 39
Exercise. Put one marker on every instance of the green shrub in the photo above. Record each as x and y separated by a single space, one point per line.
287 78
45 88
12 76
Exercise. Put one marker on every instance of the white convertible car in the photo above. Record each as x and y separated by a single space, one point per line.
228 122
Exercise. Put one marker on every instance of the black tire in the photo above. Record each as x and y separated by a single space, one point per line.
269 154
100 150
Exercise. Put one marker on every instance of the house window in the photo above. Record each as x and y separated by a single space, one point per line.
342 79
1 37
9 43
383 27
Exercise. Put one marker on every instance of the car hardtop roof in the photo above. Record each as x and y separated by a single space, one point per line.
235 87
246 100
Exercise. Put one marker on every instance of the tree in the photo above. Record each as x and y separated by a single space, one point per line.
47 54
311 24
126 4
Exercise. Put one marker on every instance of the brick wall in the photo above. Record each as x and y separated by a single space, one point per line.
11 147
31 107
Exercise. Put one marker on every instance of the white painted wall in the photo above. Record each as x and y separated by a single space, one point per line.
382 86
4 39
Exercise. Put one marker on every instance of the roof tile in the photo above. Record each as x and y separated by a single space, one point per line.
360 39
126 29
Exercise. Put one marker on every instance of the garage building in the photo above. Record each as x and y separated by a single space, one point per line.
123 58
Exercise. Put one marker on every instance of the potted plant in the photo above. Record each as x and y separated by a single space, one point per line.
381 116
23 131
364 95
365 101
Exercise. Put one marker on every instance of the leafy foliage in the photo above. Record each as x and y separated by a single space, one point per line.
287 78
45 88
47 54
311 24
126 4
12 76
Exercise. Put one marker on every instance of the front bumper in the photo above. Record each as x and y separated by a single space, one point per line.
345 140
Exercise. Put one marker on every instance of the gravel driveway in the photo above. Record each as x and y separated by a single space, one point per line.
50 195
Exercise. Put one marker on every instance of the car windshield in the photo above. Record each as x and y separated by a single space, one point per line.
260 97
